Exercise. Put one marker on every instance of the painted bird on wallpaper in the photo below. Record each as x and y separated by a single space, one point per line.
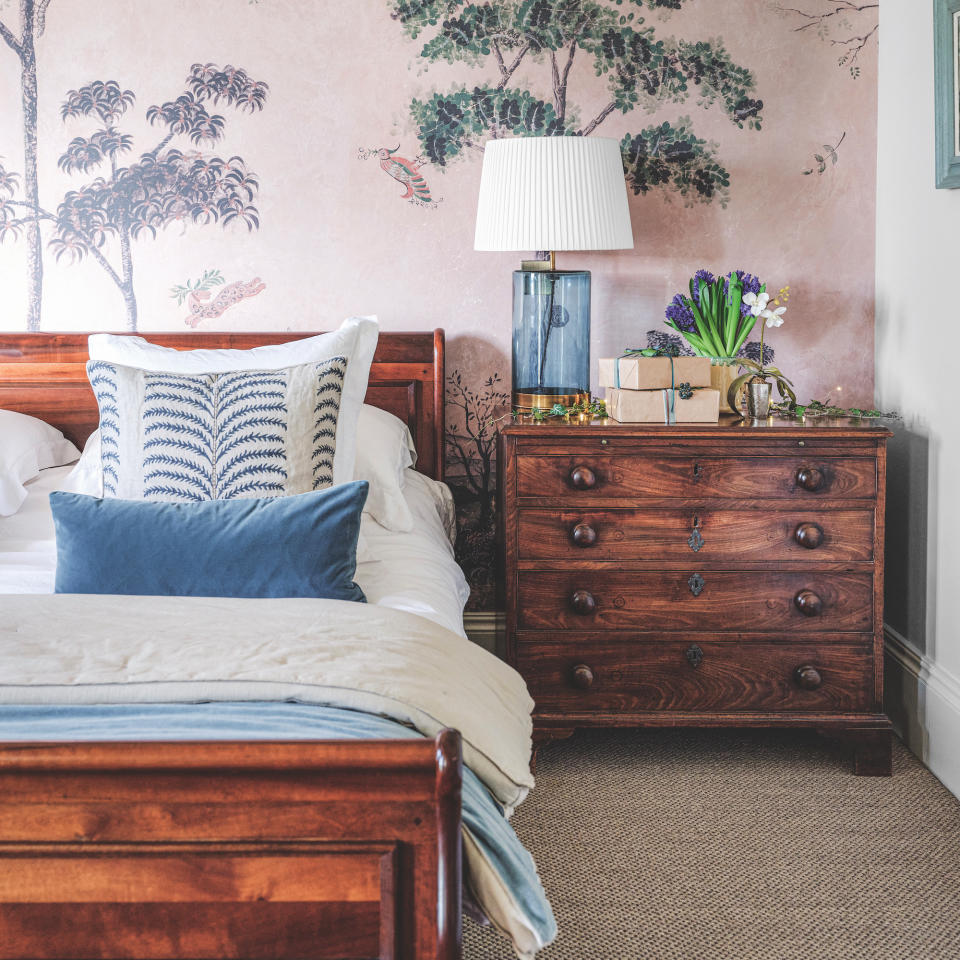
203 308
406 172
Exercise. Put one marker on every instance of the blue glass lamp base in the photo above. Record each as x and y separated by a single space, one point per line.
551 338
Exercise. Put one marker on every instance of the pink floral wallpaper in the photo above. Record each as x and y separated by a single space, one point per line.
257 164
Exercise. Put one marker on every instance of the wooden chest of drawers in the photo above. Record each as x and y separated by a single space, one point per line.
699 575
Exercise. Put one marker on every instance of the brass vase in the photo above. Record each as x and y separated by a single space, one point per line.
723 371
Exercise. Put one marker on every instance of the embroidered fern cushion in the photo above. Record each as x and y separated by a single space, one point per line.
217 436
300 546
356 340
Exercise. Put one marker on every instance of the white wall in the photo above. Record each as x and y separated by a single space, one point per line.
918 374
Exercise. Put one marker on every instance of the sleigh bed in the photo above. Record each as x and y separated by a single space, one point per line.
260 849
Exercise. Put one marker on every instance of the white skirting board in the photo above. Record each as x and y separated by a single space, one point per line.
923 701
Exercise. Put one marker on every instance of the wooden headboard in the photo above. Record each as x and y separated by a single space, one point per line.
44 375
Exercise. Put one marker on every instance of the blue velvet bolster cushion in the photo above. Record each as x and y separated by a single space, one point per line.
298 546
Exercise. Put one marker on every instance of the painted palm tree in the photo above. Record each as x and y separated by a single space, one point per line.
25 213
125 203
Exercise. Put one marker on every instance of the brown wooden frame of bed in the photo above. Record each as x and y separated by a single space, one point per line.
262 850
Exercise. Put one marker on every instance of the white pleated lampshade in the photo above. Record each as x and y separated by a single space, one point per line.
553 193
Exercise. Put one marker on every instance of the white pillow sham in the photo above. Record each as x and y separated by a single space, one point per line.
356 340
384 451
27 446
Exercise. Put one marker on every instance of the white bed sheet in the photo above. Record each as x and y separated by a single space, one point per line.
414 572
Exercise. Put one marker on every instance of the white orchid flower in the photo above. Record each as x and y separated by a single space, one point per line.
774 318
757 302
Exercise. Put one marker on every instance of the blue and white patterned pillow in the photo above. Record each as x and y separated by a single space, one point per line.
217 436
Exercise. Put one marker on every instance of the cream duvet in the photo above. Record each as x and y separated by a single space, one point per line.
112 649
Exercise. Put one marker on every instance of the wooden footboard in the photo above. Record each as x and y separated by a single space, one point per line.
254 850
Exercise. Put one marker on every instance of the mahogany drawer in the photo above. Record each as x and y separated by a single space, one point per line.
687 675
588 475
669 533
695 599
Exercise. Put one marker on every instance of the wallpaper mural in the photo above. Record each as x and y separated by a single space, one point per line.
257 164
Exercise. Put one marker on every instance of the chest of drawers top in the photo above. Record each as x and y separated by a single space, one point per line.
804 460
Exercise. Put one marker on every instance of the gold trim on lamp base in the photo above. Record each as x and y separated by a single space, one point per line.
528 401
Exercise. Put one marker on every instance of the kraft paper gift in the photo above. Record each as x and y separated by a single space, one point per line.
653 373
663 406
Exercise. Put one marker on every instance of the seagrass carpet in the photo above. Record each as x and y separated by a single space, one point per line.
717 845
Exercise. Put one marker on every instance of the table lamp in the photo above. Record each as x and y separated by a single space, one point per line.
549 194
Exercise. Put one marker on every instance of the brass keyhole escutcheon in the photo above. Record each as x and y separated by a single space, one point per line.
694 656
695 540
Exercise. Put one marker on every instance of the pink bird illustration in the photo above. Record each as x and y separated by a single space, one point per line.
203 308
406 172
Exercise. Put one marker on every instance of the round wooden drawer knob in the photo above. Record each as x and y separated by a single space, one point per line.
581 676
810 478
583 535
583 602
583 478
809 535
808 603
807 677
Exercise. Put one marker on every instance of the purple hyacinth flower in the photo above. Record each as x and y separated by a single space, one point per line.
681 314
700 277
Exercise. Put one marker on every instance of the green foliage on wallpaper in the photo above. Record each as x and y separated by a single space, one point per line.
640 70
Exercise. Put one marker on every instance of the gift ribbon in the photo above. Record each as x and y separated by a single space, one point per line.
669 395
631 352
669 405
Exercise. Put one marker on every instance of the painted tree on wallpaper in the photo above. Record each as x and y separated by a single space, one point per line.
471 456
122 204
638 68
25 213
850 26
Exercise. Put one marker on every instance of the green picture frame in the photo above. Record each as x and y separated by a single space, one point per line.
946 62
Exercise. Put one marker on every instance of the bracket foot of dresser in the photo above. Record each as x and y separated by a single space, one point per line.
872 753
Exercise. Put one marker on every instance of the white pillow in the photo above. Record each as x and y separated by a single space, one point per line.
384 451
27 446
356 340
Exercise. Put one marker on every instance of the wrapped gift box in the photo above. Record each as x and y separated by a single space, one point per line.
653 373
654 406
